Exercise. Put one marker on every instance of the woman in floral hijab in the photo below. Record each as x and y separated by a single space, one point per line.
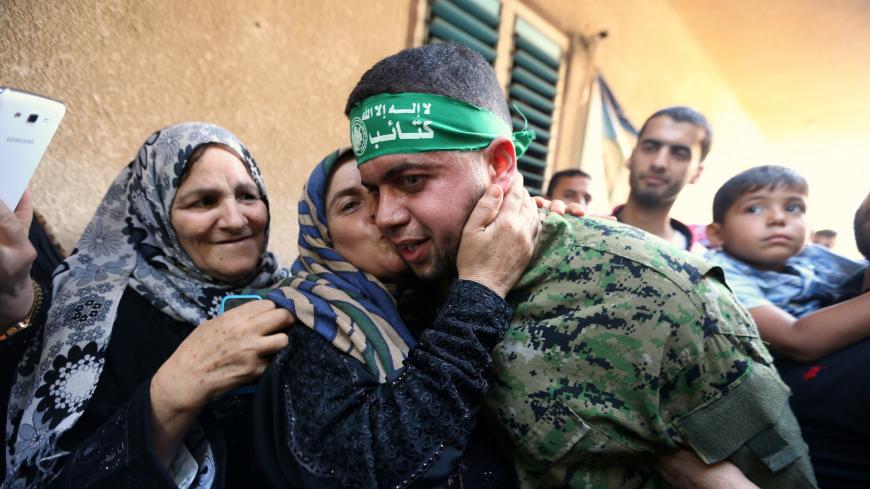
126 383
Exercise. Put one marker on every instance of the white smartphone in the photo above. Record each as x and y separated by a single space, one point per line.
27 124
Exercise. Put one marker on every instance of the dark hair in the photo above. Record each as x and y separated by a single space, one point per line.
445 69
862 228
554 180
751 180
825 233
690 115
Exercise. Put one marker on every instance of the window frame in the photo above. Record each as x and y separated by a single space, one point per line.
511 10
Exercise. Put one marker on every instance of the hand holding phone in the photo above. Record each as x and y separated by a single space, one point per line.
230 302
27 124
236 300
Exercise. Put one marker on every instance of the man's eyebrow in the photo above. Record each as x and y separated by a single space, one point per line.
651 141
397 170
658 142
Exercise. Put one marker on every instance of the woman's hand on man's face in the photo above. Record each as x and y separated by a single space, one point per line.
221 354
498 240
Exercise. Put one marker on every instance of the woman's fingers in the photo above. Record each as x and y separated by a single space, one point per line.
515 196
530 210
486 209
269 345
271 321
250 309
227 351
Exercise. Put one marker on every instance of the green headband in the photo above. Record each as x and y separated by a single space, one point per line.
396 123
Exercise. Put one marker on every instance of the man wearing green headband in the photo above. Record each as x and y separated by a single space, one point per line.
621 348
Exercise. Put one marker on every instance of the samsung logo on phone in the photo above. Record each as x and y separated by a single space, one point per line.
11 139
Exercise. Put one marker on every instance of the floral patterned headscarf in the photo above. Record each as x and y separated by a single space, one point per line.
129 242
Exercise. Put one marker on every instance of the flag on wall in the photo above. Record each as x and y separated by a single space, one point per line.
607 144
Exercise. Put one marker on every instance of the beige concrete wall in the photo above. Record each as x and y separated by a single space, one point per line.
801 69
652 60
276 73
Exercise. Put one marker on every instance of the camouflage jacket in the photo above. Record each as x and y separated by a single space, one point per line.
623 347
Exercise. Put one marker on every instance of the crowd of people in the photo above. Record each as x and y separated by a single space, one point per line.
437 329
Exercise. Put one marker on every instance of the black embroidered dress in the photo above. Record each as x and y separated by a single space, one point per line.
321 419
324 421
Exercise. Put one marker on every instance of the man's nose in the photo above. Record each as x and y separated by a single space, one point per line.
390 213
661 159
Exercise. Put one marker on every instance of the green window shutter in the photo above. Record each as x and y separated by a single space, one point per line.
473 23
534 77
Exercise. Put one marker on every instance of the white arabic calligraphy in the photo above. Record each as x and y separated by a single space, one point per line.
423 132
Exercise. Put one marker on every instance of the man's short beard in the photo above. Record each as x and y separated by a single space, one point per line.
654 199
444 258
444 261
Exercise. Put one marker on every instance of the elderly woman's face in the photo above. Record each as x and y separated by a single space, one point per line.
350 210
219 216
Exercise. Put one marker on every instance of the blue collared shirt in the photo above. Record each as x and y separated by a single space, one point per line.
812 279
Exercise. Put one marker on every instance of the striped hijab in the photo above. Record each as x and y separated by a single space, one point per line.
350 308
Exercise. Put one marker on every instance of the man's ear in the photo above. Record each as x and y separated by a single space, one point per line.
501 158
630 157
697 174
714 235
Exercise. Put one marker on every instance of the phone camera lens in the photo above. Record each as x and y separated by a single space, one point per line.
32 118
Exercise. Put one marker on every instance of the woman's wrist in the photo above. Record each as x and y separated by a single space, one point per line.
171 398
171 417
487 280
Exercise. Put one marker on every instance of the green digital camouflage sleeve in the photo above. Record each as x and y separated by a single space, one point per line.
725 399
622 348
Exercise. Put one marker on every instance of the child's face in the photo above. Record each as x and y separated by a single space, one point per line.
763 228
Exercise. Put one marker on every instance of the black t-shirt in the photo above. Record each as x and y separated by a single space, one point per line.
831 400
